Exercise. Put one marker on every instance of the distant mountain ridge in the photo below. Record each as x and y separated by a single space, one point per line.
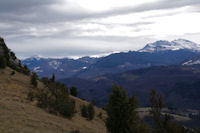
63 67
153 54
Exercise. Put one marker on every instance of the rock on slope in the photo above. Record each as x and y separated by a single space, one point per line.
18 115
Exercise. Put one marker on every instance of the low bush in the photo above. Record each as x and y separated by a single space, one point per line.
55 98
84 111
88 111
73 91
34 78
3 62
12 73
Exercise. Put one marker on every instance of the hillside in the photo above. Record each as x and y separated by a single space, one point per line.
179 85
121 62
19 115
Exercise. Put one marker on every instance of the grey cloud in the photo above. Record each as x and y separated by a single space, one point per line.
162 15
195 8
17 17
75 46
37 11
160 5
110 25
17 5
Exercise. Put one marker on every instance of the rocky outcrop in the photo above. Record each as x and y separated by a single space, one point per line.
7 53
1 47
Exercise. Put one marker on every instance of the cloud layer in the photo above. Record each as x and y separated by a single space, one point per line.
59 28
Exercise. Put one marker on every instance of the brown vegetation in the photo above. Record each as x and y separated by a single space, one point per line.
20 115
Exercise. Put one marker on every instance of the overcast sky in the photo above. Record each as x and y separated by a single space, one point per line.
75 28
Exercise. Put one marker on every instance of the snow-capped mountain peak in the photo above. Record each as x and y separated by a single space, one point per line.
35 57
178 44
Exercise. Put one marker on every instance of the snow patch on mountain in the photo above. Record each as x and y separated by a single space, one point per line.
62 70
37 69
191 62
55 64
35 57
84 67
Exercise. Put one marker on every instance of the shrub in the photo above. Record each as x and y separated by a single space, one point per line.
88 111
55 98
100 115
3 62
12 73
25 70
91 111
31 96
84 111
13 55
53 78
43 99
45 80
73 91
67 108
34 78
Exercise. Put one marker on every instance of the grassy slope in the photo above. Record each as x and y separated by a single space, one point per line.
19 115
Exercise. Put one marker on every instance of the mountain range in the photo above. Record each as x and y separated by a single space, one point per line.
64 67
169 67
178 84
153 54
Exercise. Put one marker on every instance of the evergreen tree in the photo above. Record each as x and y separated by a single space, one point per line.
13 55
34 78
162 124
122 117
20 64
91 111
2 62
53 78
25 70
157 105
25 67
73 91
84 111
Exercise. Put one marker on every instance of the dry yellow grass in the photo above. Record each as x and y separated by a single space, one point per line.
18 115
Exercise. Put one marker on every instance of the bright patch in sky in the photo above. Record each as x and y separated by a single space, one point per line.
74 28
102 5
